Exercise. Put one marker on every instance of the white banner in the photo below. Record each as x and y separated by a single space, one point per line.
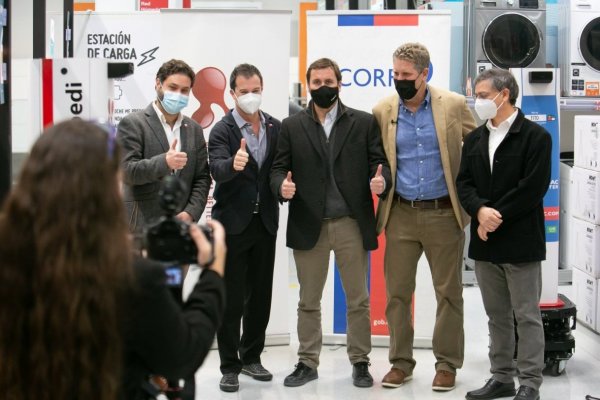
123 37
212 42
363 43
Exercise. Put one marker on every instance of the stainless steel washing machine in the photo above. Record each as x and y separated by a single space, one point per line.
504 34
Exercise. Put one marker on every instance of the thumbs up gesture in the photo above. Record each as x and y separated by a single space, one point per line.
241 157
288 188
377 182
176 159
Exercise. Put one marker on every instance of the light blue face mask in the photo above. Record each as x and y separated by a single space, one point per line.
173 102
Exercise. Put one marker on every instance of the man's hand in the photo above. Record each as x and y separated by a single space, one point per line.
288 188
176 159
482 233
489 218
185 217
377 182
241 157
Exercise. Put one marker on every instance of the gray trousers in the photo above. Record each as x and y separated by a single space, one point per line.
343 236
507 289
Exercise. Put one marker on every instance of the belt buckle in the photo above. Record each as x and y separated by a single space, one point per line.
412 204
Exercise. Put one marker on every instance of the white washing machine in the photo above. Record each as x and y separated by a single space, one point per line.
579 48
504 34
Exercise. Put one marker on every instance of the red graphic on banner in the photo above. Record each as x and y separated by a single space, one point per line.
153 4
209 88
551 213
377 292
396 20
378 297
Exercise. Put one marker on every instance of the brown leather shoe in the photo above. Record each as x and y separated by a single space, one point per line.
443 381
395 378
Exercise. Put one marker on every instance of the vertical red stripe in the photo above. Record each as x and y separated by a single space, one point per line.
396 20
187 3
377 294
47 96
377 290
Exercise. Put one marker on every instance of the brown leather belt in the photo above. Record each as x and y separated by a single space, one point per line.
433 204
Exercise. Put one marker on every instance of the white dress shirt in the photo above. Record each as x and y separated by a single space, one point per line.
497 135
174 133
330 118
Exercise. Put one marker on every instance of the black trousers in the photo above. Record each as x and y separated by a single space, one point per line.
249 284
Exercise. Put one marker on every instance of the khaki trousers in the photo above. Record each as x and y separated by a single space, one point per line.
343 236
409 233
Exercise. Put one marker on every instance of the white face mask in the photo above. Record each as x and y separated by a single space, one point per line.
486 108
250 102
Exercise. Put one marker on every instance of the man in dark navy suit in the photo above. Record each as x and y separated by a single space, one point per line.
241 149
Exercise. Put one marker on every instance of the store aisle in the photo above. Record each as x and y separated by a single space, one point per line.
580 377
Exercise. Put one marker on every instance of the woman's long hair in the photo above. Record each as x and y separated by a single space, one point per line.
64 267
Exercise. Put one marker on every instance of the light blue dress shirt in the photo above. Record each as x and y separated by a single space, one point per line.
420 175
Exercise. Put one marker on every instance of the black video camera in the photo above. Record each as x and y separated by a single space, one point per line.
169 240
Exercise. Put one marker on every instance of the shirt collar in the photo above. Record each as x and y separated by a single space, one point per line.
241 122
505 125
332 114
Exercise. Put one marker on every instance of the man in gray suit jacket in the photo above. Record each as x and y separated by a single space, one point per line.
159 141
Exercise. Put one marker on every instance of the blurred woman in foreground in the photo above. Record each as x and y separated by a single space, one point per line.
79 318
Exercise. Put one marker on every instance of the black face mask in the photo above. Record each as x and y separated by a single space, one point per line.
406 88
325 96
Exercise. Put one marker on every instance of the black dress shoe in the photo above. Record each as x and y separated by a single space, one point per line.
360 374
257 371
301 375
492 389
527 393
229 382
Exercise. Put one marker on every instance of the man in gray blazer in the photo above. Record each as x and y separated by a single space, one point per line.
159 141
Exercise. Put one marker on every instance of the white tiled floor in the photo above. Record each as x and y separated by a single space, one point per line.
581 377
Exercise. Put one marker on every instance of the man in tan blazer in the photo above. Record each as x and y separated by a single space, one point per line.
422 129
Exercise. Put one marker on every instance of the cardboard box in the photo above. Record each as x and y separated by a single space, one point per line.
585 289
564 243
586 194
587 141
585 252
